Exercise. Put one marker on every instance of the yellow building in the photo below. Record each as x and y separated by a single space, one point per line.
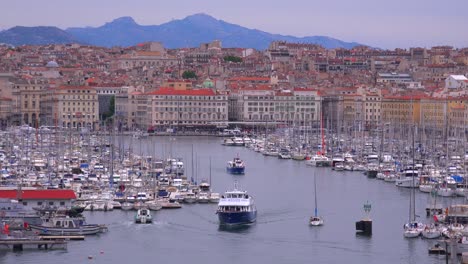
26 95
457 108
76 107
433 113
401 110
353 109
178 84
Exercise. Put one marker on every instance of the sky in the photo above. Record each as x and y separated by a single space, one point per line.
379 23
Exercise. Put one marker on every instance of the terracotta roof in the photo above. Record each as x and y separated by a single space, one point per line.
39 194
172 91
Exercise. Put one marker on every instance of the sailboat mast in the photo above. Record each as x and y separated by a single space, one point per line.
210 170
324 149
413 213
315 193
192 166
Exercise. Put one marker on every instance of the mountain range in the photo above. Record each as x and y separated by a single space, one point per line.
181 33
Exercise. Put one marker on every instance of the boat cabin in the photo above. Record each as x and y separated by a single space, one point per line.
204 187
235 208
64 222
235 195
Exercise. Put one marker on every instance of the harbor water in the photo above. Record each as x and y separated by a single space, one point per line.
284 195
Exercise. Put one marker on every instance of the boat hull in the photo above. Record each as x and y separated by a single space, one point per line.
238 170
237 218
143 220
53 231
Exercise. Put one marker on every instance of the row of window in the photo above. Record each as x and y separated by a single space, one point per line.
49 203
78 97
186 109
280 98
73 116
79 109
189 103
187 116
79 91
84 103
185 97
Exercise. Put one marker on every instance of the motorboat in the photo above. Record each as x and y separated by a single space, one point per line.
190 197
203 197
214 197
298 156
169 204
66 226
154 205
238 141
143 216
236 166
284 154
127 206
319 161
228 142
408 179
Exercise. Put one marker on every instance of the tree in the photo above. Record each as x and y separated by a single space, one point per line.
110 112
112 106
189 75
232 58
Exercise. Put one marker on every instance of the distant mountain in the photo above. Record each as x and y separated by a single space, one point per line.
190 32
187 32
35 36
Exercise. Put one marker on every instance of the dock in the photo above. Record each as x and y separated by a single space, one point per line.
62 237
19 244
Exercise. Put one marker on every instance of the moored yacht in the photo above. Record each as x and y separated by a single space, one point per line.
319 161
409 179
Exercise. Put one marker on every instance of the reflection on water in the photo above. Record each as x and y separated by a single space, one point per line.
240 229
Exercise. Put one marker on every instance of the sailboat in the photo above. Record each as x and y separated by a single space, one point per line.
412 228
315 220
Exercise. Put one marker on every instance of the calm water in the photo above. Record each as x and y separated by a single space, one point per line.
283 191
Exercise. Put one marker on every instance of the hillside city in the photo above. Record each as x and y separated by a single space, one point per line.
150 87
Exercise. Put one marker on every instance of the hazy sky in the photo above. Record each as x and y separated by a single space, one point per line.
380 23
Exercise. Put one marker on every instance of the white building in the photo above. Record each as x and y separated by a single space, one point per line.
299 105
394 78
169 107
456 82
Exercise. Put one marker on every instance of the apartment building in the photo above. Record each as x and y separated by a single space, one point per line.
260 104
156 59
76 107
194 108
401 110
26 100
